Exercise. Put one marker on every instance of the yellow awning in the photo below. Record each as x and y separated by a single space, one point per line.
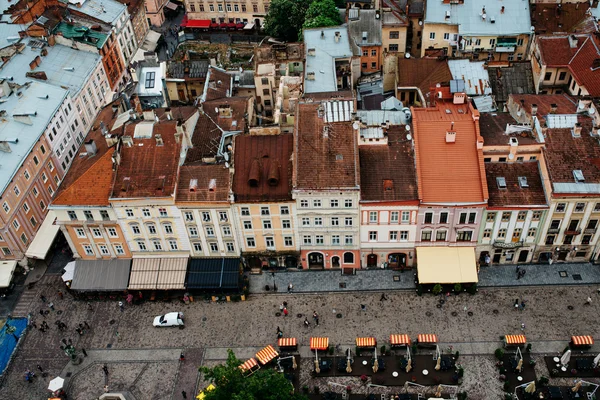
446 265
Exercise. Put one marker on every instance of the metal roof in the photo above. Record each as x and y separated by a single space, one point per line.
101 275
158 273
64 66
9 34
32 99
322 62
338 111
484 104
81 34
104 10
561 120
213 273
365 30
378 117
474 74
468 16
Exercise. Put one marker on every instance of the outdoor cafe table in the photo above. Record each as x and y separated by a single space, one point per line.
399 340
366 342
267 354
319 343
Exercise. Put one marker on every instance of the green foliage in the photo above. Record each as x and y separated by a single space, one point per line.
419 290
528 348
456 355
543 381
437 289
231 384
499 353
285 18
506 386
321 13
460 372
457 288
472 289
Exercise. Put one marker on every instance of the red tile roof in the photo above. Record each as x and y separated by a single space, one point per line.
449 172
423 73
514 194
146 168
565 153
203 183
324 161
231 114
493 130
218 84
555 51
263 168
206 139
565 104
89 179
387 172
555 18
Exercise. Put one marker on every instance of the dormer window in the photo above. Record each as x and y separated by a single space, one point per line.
523 182
578 175
501 182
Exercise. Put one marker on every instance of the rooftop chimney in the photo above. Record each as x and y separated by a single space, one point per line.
533 109
90 147
502 10
553 108
577 130
451 134
573 41
273 178
254 175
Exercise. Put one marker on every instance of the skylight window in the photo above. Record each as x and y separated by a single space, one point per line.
150 78
501 182
578 174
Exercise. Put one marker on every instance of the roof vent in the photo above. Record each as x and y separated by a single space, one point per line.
553 108
573 41
513 141
533 109
448 15
339 157
127 140
578 175
388 185
310 76
254 175
212 185
493 20
337 37
451 134
273 179
159 140
577 130
311 52
193 185
523 182
364 36
501 182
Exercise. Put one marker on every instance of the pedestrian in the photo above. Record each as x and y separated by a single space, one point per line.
39 367
588 302
383 297
117 334
363 307
89 305
86 325
121 306
306 323
70 342
285 312
106 388
33 324
105 369
64 341
43 298
290 287
317 321
83 352
184 394
42 313
129 299
523 271
281 307
181 357
518 269
78 330
522 326
518 275
60 294
516 304
80 326
51 305
522 305
278 330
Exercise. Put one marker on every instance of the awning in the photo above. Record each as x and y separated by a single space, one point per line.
171 6
214 273
446 265
158 273
267 354
249 25
7 270
69 271
44 237
101 275
287 342
366 342
248 365
151 40
397 340
319 343
515 339
427 338
195 23
582 340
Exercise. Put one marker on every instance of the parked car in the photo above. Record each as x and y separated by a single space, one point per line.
169 319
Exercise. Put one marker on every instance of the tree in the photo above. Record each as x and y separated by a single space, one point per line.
231 384
285 18
322 13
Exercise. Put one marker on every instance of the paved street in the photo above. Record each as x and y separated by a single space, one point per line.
213 327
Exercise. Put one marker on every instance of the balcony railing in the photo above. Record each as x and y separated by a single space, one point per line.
508 245
590 231
573 232
553 230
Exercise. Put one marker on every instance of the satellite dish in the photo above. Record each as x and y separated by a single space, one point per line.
217 110
355 125
581 106
407 127
511 156
408 136
420 23
407 55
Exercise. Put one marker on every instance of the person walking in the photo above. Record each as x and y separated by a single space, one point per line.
516 304
39 367
316 318
306 323
383 297
290 287
51 305
363 307
90 308
43 298
121 306
105 369
184 394
86 325
285 312
523 326
83 352
281 307
522 305
588 302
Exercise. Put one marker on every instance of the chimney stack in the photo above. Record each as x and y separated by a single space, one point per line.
90 147
553 108
533 109
573 41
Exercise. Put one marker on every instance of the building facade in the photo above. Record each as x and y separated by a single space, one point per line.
245 11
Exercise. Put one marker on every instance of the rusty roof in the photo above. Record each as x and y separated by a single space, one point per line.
327 153
565 153
229 113
203 183
263 168
554 18
206 139
217 85
493 130
89 179
523 184
449 172
565 104
148 168
387 172
423 73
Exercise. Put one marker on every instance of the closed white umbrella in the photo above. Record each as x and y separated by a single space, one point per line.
596 360
577 386
438 364
56 384
530 388
564 360
69 272
520 365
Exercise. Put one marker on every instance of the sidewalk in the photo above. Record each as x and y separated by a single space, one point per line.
384 279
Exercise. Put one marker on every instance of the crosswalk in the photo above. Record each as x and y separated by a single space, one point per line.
29 296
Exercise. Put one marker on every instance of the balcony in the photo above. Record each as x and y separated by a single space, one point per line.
573 232
551 230
507 245
590 231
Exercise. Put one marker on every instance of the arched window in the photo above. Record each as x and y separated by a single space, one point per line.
348 258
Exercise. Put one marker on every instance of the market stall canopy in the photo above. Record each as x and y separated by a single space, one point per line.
397 340
267 354
158 273
7 270
44 238
319 343
366 342
287 342
101 275
214 273
515 339
427 338
249 365
446 265
195 23
69 271
584 340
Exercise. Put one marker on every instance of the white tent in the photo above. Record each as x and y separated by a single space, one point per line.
69 272
7 270
56 384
